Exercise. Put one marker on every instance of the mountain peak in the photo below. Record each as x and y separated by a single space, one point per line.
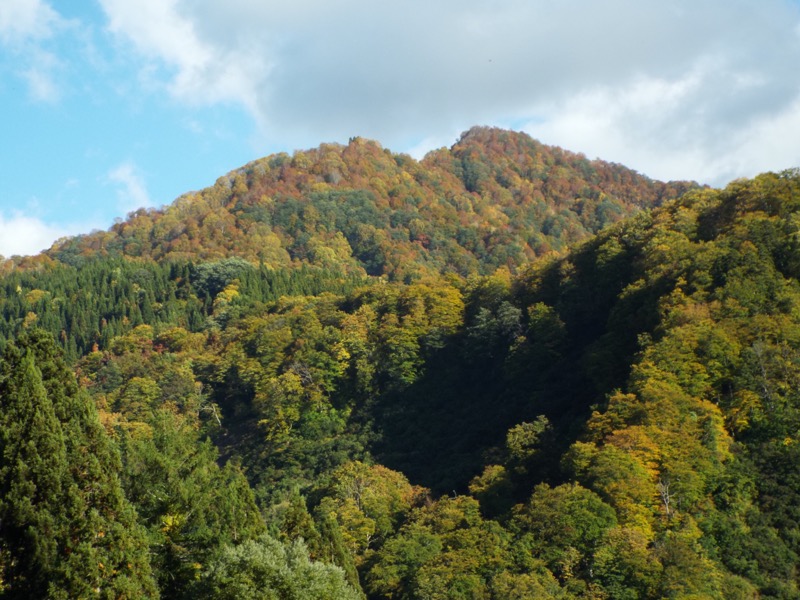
496 198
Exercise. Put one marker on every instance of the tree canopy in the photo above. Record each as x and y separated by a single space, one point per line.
369 401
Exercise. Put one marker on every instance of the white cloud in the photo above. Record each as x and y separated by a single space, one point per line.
131 190
22 20
41 86
678 129
25 28
666 85
24 235
421 148
767 144
203 72
40 77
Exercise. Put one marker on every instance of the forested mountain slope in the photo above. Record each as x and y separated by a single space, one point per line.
336 213
496 198
619 420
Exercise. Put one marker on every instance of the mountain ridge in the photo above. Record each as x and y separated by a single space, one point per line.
495 198
353 406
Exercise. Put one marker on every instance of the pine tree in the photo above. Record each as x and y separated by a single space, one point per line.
64 520
190 506
33 464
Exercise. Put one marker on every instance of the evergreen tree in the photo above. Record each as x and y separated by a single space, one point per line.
32 473
190 506
64 521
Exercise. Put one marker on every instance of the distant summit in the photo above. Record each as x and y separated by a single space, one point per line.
495 198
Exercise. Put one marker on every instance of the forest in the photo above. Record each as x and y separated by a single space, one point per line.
504 371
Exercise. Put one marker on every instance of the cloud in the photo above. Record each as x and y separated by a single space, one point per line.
663 83
26 26
688 127
24 235
40 77
202 71
23 20
131 191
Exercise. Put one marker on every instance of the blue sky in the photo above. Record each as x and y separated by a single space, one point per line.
109 105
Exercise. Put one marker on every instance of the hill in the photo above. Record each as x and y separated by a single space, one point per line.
496 198
616 420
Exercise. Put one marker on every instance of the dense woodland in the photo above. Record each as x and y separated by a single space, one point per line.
502 372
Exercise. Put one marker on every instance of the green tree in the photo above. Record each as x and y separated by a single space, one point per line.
32 474
265 569
64 521
446 550
567 525
190 505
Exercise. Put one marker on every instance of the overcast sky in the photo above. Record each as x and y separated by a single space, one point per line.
109 105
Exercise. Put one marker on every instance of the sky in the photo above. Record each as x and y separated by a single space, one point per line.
107 106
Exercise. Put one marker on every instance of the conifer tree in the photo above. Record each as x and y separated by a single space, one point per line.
32 471
64 520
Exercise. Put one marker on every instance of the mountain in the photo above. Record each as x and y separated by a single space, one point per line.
496 198
618 419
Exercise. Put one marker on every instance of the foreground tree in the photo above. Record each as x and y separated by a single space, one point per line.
265 569
66 529
190 505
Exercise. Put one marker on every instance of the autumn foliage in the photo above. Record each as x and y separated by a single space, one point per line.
351 374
